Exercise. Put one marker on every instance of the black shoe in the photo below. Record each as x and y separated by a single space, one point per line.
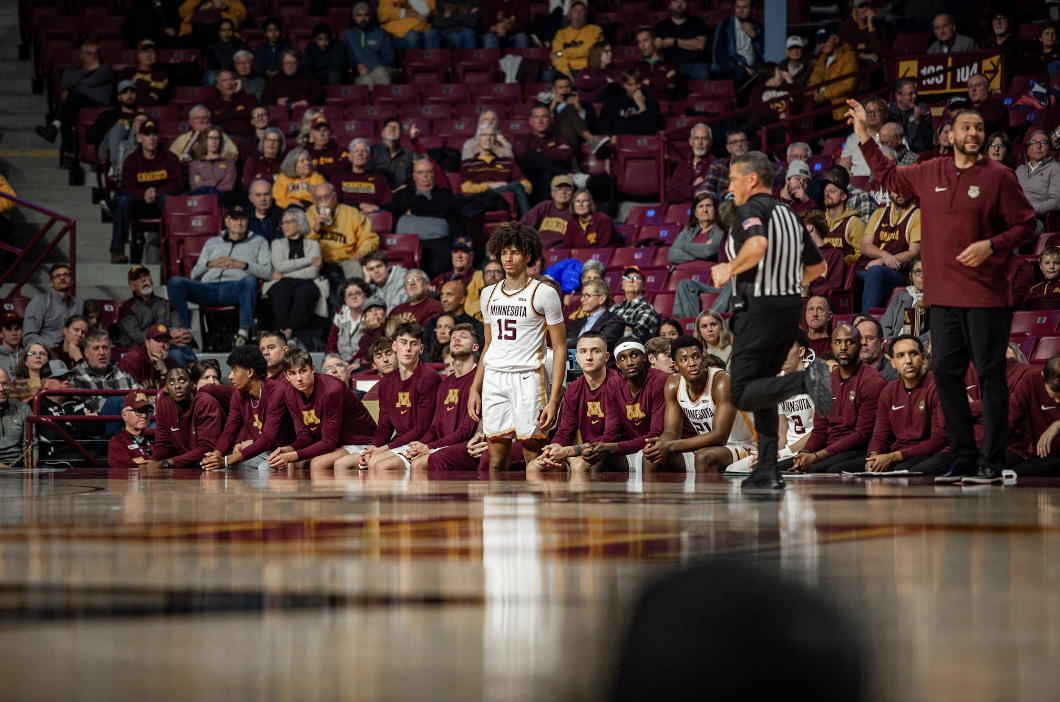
819 387
955 474
984 476
763 480
48 132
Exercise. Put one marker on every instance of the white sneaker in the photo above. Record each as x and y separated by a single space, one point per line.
600 141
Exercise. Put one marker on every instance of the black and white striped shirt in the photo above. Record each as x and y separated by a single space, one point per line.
789 247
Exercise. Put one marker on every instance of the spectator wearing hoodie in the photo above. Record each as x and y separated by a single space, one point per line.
387 279
369 48
267 54
325 58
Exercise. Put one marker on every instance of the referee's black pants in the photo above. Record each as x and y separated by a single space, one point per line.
979 335
765 331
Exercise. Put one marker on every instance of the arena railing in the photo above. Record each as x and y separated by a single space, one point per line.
52 421
68 228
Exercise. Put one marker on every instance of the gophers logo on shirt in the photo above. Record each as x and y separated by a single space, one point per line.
973 191
634 412
257 422
453 398
404 400
592 409
309 418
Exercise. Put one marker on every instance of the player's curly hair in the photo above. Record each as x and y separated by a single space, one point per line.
516 234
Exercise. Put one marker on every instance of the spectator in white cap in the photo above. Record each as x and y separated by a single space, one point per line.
795 193
794 62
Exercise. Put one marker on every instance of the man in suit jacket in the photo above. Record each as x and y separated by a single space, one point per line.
596 294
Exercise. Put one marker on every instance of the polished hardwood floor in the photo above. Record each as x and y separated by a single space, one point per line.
245 585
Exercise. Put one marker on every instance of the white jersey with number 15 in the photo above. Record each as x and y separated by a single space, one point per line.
517 321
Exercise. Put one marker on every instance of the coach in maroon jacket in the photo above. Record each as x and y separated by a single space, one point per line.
909 429
973 215
845 433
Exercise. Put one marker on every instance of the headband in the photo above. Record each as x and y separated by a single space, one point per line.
627 345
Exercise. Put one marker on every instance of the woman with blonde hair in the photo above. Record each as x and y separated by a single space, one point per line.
302 138
713 332
27 373
590 227
502 148
294 185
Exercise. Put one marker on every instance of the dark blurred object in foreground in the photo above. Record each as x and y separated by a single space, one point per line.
726 631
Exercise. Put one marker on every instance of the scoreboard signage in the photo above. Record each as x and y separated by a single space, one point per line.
949 73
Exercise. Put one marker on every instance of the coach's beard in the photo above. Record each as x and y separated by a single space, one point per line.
962 147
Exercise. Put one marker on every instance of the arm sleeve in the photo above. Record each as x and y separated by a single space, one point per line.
679 185
34 321
228 180
465 429
207 430
367 239
855 232
568 421
174 184
232 427
425 409
129 186
330 426
205 256
905 181
1016 213
261 266
384 428
870 399
883 432
546 302
332 345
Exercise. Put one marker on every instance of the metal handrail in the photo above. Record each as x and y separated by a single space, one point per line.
35 417
69 227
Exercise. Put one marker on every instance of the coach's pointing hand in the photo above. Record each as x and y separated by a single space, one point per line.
856 117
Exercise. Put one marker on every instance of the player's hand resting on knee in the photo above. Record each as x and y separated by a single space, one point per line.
656 450
554 455
416 449
213 461
477 446
279 458
802 461
1046 440
881 462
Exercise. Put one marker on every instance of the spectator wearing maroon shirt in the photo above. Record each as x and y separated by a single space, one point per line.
835 276
635 411
818 317
148 176
230 109
844 434
991 108
130 447
1034 423
188 424
149 362
593 82
330 422
266 164
452 424
406 403
552 218
584 406
328 157
420 307
1046 294
152 82
257 411
909 428
367 191
548 153
979 201
689 175
589 228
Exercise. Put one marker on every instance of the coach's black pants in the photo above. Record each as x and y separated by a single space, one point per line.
765 331
979 335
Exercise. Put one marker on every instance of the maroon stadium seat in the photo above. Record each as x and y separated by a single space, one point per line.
430 111
661 258
85 118
382 221
1025 343
534 62
15 304
554 256
1048 346
395 94
191 94
472 112
403 248
721 89
1046 239
455 132
194 225
677 214
1021 85
496 93
654 279
912 43
346 94
426 66
476 65
603 255
626 257
640 215
377 113
162 112
1035 322
657 234
188 205
700 275
637 165
663 302
348 130
447 94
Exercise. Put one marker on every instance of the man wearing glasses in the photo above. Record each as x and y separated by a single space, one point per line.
852 160
12 425
912 115
1040 177
46 313
638 314
717 180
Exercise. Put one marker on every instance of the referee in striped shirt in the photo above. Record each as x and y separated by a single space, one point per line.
771 256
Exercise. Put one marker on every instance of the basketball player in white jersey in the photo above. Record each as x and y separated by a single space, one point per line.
509 394
699 396
796 413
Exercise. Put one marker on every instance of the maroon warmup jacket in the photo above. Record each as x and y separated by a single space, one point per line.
585 410
909 420
332 416
1030 412
679 187
265 422
959 208
849 426
452 423
406 407
635 417
186 438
